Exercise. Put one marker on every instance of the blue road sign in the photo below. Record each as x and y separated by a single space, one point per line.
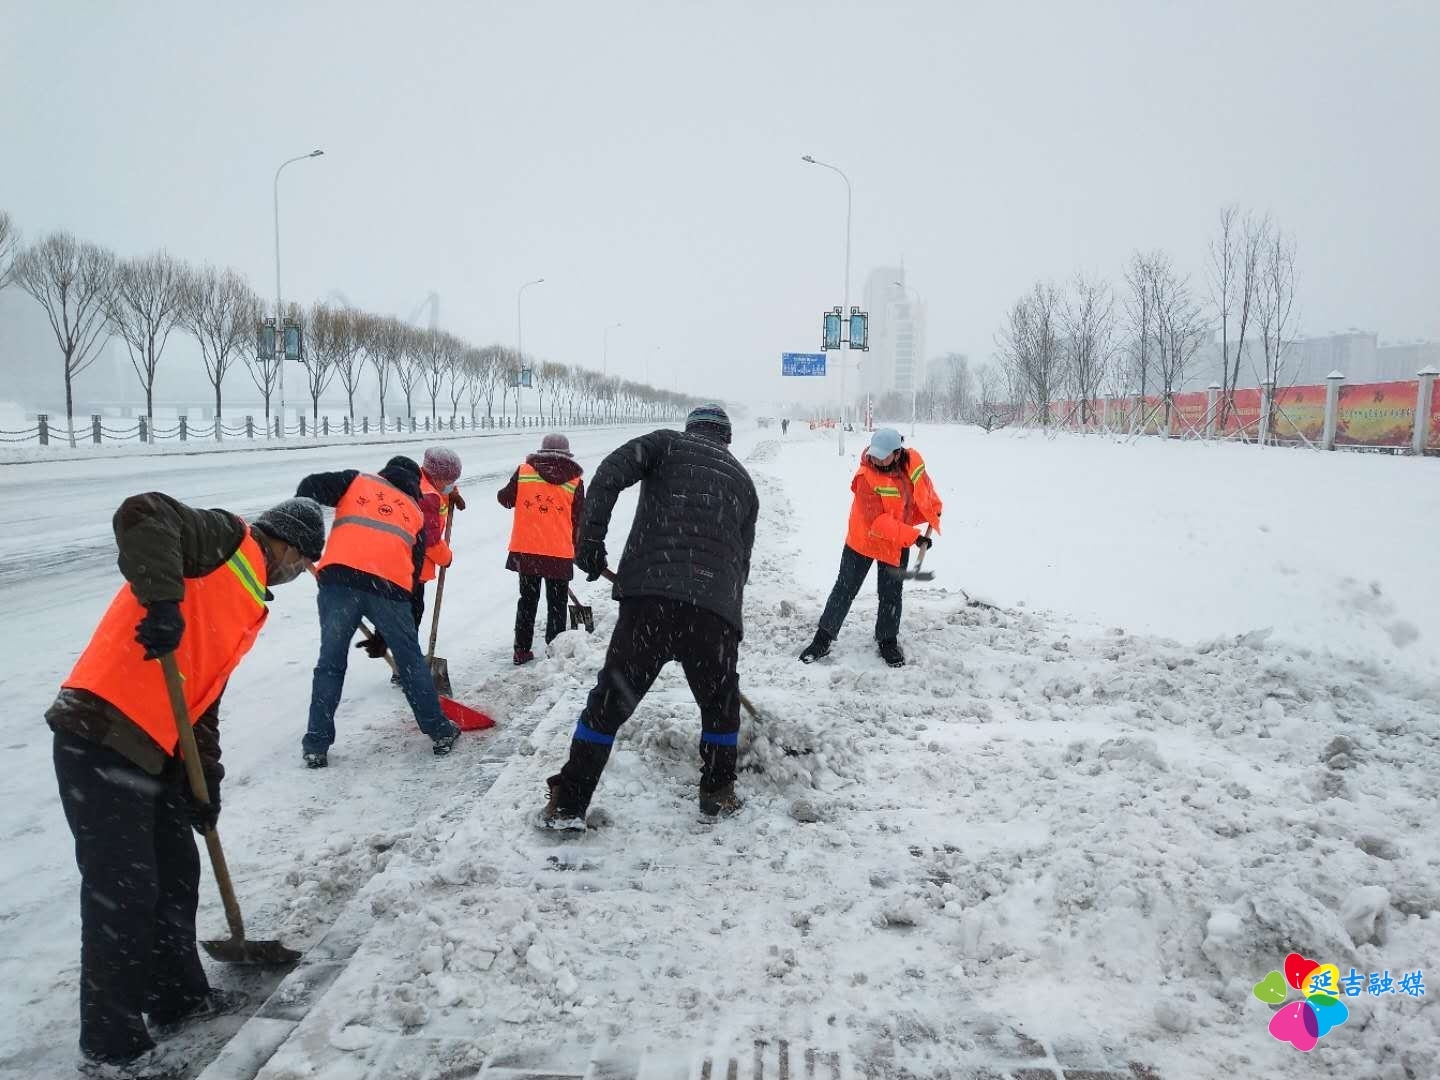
802 363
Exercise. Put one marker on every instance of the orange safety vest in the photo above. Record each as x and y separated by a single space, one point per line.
544 522
223 611
437 554
376 525
887 507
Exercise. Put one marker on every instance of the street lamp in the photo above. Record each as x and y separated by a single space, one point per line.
844 345
520 340
280 311
914 382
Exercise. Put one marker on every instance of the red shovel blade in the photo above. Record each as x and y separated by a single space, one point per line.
464 717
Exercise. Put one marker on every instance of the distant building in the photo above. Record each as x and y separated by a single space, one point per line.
895 361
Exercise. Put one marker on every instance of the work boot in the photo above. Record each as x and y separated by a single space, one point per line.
817 648
443 744
215 1003
523 657
722 802
154 1064
559 818
316 759
395 678
890 652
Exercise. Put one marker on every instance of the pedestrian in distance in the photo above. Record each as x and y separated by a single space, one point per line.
548 498
681 588
892 497
371 568
197 585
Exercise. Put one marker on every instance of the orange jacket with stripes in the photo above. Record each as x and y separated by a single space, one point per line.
888 504
543 523
437 554
223 613
376 526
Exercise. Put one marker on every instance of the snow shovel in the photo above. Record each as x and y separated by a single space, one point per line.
439 666
918 574
236 950
461 715
580 615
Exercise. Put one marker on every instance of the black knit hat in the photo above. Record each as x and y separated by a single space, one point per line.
709 419
297 522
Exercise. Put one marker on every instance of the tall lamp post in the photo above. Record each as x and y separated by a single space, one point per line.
520 341
844 343
914 380
280 311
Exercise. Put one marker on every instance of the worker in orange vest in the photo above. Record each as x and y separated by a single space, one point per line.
439 473
548 498
371 568
198 582
893 496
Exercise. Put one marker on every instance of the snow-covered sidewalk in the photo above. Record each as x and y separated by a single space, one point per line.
1047 847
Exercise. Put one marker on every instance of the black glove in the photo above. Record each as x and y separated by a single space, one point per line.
203 816
590 558
456 502
923 542
374 646
159 631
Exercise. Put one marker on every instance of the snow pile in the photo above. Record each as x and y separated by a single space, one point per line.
1037 830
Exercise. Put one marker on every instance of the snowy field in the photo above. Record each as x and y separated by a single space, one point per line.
1170 714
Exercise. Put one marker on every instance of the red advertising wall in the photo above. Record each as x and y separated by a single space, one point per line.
1188 413
1243 416
1299 413
1376 414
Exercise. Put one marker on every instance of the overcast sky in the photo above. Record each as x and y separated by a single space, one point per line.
645 158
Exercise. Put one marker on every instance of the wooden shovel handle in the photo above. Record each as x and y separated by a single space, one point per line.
190 754
440 590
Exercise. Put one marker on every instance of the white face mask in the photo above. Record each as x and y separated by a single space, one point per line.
447 489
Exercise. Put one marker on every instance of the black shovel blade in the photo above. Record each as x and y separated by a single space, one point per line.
258 953
582 616
919 575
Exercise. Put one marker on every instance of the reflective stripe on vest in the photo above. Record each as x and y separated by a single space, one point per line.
544 522
376 525
223 611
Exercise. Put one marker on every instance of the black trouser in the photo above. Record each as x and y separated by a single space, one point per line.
556 591
888 582
649 633
417 603
139 888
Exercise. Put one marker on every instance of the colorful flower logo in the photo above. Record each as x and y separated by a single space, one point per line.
1304 1023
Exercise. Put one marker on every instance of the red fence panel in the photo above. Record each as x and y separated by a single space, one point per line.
1377 414
1299 413
1189 413
1243 415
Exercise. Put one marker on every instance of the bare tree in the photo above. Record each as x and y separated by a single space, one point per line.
1275 302
383 338
144 308
1089 323
263 363
321 336
220 309
1234 280
9 245
1140 314
1030 346
346 348
438 353
72 281
409 366
489 371
1180 329
459 375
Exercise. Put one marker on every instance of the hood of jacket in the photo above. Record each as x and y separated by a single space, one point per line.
555 467
404 474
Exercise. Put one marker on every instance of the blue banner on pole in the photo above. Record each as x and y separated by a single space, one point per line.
800 363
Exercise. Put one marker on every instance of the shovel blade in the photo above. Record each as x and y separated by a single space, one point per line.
440 674
919 575
464 717
582 616
256 953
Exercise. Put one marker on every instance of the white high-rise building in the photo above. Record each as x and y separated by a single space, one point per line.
895 362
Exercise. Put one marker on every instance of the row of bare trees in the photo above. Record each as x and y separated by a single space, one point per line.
1077 344
89 296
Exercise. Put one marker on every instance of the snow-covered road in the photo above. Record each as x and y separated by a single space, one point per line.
1197 730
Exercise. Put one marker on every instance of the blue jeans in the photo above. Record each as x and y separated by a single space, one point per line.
341 610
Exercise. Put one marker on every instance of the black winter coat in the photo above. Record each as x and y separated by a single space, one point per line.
694 527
